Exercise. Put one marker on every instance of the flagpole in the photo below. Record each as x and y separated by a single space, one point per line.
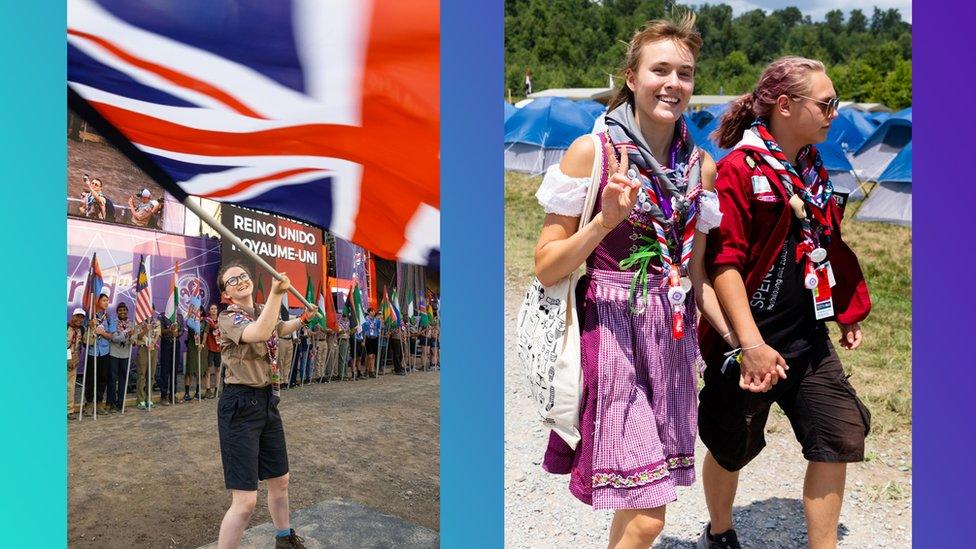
355 365
233 239
128 366
198 373
95 382
172 371
84 373
149 366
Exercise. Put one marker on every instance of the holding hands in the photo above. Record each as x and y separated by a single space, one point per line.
762 366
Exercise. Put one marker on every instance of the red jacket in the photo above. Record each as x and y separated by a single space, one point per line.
752 234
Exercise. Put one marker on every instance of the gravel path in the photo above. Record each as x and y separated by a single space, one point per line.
540 512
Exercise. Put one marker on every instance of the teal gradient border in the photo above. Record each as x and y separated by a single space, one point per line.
33 454
472 274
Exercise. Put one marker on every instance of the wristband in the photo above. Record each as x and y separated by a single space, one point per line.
756 346
600 221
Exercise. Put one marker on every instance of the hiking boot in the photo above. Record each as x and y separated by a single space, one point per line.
724 540
291 541
187 397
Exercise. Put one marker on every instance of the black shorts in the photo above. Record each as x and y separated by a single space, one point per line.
372 344
828 419
252 438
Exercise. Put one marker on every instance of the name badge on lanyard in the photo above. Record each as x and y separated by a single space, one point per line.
823 301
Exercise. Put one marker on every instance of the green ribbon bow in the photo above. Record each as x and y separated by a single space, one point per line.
641 257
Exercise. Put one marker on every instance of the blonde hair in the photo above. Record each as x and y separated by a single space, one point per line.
682 31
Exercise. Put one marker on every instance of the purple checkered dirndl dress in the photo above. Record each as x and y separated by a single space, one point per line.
638 409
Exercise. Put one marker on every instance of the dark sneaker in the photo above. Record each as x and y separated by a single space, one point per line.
187 397
725 540
291 541
165 402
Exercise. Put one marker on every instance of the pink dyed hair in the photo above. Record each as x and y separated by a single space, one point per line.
785 76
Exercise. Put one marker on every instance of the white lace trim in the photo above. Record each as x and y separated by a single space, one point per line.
709 214
561 194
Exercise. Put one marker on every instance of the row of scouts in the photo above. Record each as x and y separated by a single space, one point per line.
100 351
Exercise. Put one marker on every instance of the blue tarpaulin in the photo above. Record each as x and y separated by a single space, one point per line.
509 110
539 133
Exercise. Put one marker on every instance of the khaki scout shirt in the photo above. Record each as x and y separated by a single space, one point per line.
245 363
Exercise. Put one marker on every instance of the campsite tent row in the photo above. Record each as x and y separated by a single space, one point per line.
860 147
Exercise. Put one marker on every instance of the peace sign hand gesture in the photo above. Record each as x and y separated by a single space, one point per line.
620 195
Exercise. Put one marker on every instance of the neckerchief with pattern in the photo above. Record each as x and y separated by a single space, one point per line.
811 182
668 196
272 344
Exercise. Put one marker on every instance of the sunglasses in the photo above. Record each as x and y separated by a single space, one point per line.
826 107
237 280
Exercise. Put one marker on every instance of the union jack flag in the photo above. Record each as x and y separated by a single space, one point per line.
326 111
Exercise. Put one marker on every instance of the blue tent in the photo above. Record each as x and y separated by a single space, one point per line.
538 135
702 139
592 107
873 156
891 200
509 110
850 129
705 116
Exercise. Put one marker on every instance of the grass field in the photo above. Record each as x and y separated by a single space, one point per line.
881 370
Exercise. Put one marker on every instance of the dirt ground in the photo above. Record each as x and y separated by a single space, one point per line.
155 479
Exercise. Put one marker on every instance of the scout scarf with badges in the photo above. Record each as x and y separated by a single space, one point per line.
667 205
240 315
809 191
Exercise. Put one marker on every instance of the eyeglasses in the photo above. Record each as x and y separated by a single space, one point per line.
237 280
826 107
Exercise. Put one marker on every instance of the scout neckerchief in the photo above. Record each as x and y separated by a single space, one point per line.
122 326
240 315
809 192
667 204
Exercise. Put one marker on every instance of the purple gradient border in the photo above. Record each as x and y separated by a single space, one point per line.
944 433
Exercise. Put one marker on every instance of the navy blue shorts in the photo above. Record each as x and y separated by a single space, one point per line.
252 438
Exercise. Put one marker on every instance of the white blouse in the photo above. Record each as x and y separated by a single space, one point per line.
561 194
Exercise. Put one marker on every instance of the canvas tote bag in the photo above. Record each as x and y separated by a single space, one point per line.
548 336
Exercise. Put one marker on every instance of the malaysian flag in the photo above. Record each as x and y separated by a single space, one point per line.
325 111
144 306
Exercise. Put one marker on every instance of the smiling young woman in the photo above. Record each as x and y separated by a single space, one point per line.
643 252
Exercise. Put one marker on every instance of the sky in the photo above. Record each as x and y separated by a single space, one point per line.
817 9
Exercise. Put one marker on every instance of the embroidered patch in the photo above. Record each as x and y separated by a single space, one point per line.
760 184
750 162
238 318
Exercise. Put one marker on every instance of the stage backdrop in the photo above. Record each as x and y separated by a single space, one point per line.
119 248
289 246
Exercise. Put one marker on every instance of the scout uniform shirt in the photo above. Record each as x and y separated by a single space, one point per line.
245 363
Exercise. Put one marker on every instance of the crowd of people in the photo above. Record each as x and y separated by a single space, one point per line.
173 352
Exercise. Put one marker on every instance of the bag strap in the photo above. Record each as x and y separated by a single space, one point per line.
598 174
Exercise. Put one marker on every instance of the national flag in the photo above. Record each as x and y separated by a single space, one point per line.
410 304
93 284
328 306
173 302
333 120
346 298
387 310
394 302
259 293
309 290
193 311
144 304
357 305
